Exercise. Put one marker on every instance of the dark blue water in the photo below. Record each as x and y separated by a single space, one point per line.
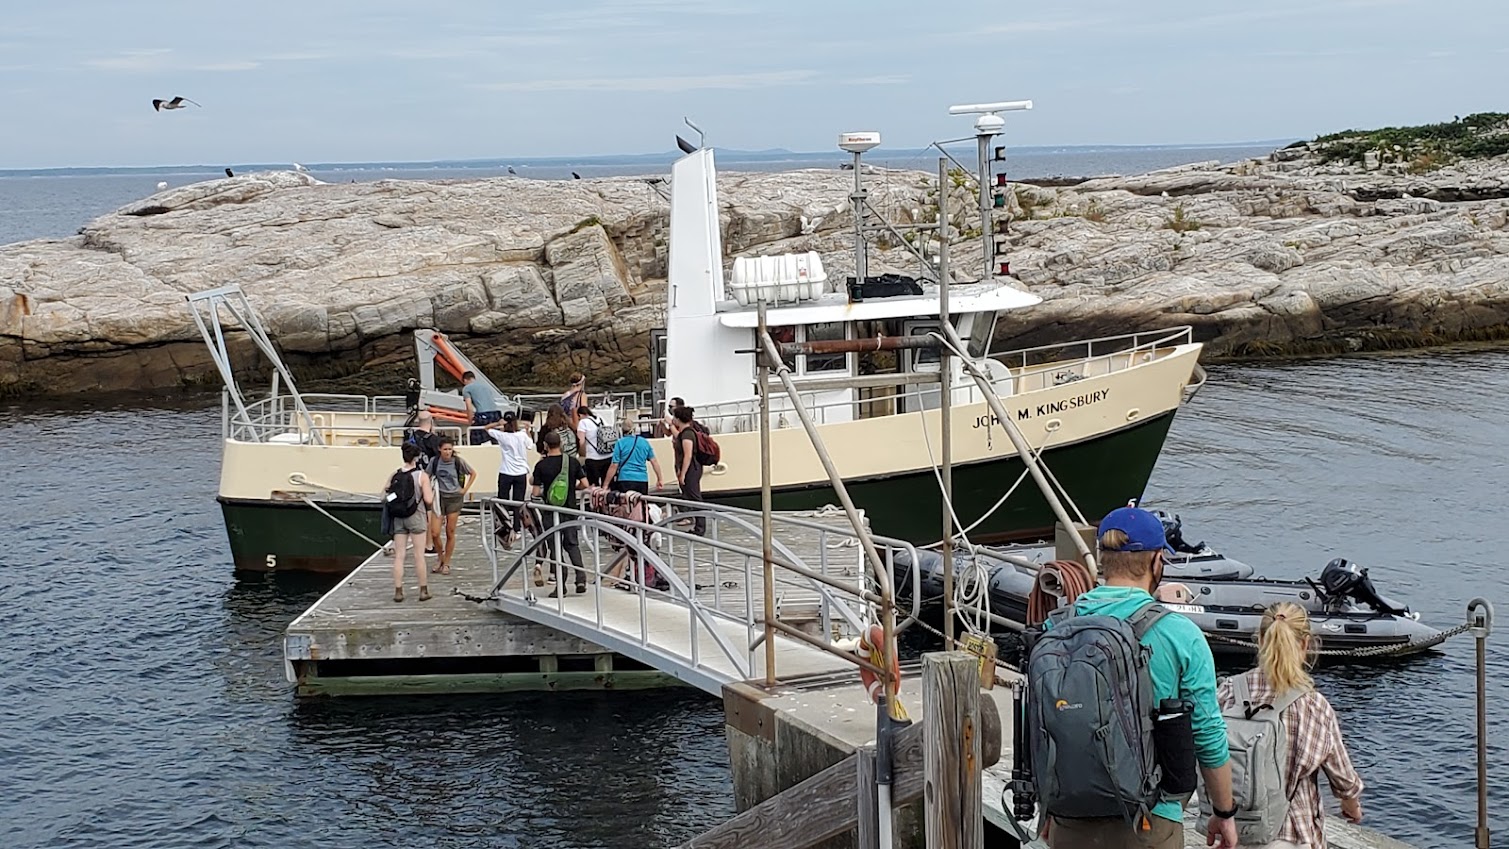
143 701
36 205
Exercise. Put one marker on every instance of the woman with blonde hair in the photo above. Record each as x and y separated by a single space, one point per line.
1315 743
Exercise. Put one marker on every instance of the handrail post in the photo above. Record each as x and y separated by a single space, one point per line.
945 409
765 501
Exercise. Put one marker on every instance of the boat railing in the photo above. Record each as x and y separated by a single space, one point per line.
621 399
1120 351
333 418
820 583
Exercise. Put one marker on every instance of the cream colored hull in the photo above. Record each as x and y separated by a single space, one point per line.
864 448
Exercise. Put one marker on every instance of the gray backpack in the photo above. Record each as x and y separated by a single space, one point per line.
1090 709
1259 746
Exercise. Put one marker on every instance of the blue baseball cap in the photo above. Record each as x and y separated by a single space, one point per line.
1144 530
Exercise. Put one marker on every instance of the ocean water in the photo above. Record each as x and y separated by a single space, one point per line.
144 704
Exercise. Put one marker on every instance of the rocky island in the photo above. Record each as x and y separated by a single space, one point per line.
1354 241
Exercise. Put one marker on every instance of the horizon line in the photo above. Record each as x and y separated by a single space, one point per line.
585 159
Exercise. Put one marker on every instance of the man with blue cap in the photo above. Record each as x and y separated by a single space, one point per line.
1131 551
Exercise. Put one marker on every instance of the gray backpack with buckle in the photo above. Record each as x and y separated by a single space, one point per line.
1090 706
1259 744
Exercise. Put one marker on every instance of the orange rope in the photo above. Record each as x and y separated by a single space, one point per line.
1072 576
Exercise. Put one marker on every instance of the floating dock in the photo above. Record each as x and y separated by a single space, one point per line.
355 640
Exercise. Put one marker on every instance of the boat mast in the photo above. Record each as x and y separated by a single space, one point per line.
858 144
987 127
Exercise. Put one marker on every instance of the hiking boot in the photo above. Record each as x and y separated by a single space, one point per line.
424 593
398 593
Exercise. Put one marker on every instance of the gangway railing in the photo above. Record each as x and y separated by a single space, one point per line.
704 621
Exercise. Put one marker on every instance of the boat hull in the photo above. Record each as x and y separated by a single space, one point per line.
291 536
1100 474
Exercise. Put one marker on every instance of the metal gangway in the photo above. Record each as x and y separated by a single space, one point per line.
702 608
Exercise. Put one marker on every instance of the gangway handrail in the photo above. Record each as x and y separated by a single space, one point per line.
830 592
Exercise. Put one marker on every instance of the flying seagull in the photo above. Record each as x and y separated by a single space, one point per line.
575 176
229 173
175 103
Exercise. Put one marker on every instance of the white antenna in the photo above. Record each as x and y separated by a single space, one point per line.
989 123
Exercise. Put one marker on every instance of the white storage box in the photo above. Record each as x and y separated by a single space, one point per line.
778 279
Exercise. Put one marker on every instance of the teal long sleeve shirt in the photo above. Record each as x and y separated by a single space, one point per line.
1181 666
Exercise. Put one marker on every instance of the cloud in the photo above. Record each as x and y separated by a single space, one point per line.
881 79
148 60
692 82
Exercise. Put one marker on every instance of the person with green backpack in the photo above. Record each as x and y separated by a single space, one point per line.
555 481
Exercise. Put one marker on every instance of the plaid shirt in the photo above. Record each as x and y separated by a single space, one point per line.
1315 745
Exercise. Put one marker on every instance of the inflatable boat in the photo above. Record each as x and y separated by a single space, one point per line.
1221 595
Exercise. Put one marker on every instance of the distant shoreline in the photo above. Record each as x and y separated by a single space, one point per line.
730 157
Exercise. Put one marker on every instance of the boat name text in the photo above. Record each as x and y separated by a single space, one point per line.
1049 407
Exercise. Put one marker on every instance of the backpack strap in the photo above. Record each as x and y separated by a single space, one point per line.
1285 700
1241 694
1145 618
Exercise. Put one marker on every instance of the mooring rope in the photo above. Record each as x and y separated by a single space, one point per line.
327 514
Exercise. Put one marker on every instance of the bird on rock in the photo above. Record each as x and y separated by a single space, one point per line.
575 176
175 103
229 173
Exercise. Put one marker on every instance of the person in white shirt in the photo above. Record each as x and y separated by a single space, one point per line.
513 471
589 434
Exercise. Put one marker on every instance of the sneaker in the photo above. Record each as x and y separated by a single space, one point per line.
581 589
430 551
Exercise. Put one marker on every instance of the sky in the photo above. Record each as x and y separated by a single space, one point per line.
338 80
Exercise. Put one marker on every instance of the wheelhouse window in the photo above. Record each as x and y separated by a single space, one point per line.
826 332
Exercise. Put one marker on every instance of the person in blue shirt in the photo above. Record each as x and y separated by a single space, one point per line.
481 405
630 455
1131 565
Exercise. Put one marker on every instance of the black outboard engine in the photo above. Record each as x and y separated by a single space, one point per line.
1173 533
1342 580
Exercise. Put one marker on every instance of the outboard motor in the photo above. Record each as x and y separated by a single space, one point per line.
1342 580
1173 533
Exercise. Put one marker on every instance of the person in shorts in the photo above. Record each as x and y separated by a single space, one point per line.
453 478
412 527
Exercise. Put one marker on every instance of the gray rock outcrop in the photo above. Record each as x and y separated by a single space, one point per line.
541 278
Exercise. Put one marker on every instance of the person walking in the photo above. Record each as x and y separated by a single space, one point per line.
513 470
668 421
547 472
591 436
688 463
631 453
406 502
1180 666
557 422
424 436
453 478
573 399
1313 732
481 405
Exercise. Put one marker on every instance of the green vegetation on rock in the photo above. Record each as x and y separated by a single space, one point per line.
1428 146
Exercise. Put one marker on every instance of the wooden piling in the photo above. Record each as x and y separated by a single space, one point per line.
953 794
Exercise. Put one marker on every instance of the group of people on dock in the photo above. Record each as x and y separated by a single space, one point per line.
576 451
1257 740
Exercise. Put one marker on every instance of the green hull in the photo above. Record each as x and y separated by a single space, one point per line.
1100 475
289 536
